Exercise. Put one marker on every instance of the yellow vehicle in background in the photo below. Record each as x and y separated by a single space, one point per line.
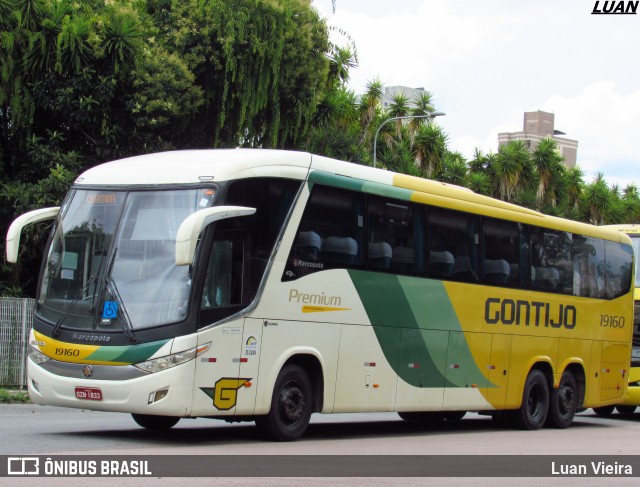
628 406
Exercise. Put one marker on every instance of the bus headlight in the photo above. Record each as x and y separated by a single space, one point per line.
168 361
36 355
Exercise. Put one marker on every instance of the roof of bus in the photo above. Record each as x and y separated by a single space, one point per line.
197 166
217 165
628 228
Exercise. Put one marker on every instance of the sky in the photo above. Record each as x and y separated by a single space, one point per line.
486 62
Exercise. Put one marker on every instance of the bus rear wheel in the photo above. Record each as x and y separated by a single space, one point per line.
535 402
155 423
564 402
291 406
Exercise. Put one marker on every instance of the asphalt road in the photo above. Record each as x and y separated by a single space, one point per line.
44 430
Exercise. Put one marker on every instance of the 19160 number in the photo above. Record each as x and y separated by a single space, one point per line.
612 321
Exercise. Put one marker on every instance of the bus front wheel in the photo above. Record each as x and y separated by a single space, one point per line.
156 423
564 402
535 402
291 406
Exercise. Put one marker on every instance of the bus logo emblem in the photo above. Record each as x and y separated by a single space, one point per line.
225 392
87 371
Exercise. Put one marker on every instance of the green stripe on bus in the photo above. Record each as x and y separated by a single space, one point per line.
415 323
360 185
130 354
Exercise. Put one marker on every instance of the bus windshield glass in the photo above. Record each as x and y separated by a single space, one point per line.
111 263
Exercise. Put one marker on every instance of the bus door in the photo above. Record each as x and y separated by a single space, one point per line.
219 384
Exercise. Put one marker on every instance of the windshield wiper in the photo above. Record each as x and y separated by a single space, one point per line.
56 329
122 310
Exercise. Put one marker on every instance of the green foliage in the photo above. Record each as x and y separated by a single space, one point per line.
7 396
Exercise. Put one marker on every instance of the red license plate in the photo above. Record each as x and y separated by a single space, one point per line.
89 393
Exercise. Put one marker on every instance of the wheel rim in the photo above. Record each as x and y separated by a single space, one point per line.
291 403
535 402
566 400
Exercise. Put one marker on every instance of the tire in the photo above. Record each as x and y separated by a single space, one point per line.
428 417
564 402
535 402
626 410
155 423
291 406
604 411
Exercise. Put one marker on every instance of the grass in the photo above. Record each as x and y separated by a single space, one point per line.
7 396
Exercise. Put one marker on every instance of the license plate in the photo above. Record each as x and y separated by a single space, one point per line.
89 393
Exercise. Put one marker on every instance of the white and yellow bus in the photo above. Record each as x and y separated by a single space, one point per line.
266 285
629 405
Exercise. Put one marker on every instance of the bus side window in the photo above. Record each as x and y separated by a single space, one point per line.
551 255
226 279
395 235
456 233
588 266
619 259
505 258
330 235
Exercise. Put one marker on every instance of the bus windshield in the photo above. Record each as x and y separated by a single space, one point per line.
111 263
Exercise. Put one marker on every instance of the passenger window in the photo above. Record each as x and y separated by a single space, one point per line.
330 234
588 266
619 258
395 236
506 260
453 245
552 266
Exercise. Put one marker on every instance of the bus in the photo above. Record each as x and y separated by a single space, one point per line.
266 285
629 405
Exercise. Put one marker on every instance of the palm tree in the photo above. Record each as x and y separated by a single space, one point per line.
339 109
574 184
399 108
478 164
511 167
341 61
369 106
423 107
548 163
598 201
454 169
429 149
631 204
479 182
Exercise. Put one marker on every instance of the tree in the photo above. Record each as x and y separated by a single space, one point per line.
455 169
549 164
429 148
510 168
246 57
598 201
399 107
423 102
369 107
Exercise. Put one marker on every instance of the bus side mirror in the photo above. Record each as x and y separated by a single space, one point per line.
190 228
13 235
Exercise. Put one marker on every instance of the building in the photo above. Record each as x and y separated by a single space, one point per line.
538 125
